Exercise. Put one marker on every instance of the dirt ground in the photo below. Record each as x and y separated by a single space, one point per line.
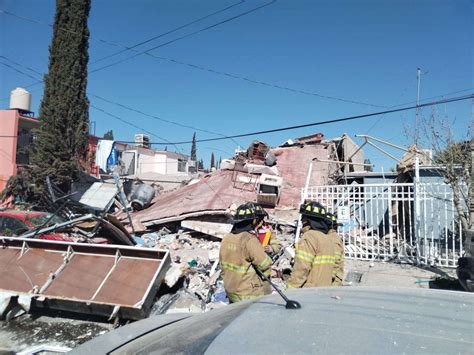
382 274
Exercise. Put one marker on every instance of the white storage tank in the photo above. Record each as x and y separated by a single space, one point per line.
20 99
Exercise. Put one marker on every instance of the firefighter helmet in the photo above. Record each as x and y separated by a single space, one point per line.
249 211
314 210
332 220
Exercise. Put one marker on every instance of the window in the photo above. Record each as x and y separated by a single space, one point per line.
182 165
11 226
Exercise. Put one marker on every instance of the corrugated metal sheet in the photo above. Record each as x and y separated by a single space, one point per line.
217 192
99 196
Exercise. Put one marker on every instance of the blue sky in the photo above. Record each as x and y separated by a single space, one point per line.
365 51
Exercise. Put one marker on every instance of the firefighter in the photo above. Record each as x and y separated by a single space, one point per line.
241 252
314 255
271 245
338 273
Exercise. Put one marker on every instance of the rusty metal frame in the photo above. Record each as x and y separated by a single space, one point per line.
123 288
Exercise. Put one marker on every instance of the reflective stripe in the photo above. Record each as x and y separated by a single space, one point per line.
290 286
236 297
265 263
324 259
236 268
304 255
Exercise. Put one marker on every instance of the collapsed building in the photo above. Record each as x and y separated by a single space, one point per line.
272 177
184 224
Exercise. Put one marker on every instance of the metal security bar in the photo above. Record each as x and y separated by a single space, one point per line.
382 221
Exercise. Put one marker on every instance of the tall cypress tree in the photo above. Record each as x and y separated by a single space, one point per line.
193 148
109 135
213 163
61 143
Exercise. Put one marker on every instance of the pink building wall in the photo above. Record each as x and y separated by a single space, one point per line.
10 124
9 120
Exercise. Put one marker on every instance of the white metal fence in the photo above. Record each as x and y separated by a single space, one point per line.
415 222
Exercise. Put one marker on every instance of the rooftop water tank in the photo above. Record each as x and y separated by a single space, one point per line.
20 99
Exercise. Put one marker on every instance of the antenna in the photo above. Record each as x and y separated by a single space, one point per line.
418 80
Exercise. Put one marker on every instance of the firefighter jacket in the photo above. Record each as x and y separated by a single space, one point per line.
338 272
275 246
314 260
239 255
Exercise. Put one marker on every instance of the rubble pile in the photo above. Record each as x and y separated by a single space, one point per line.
193 282
183 227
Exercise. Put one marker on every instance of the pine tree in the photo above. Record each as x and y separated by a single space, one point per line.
62 138
193 148
109 135
213 163
201 164
219 163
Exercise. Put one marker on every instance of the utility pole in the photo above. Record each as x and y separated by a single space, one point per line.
418 80
471 207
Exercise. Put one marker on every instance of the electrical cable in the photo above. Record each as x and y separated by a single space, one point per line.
115 103
217 72
264 83
471 96
167 33
97 108
185 36
461 98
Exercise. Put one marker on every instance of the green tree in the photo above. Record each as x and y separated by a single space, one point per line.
61 143
193 148
109 135
213 163
201 164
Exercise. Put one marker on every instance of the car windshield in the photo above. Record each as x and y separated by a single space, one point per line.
41 219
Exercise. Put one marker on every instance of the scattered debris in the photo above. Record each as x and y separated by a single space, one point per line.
214 229
142 196
353 277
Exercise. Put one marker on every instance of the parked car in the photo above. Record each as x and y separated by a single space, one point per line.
15 223
345 320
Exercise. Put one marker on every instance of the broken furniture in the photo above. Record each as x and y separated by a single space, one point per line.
89 226
110 281
268 190
241 178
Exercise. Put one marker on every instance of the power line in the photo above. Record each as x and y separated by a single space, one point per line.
461 98
159 118
18 71
167 33
133 125
412 102
264 83
471 96
24 18
185 36
439 102
95 107
116 103
210 70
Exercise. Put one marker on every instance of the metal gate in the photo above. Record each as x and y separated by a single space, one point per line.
413 222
